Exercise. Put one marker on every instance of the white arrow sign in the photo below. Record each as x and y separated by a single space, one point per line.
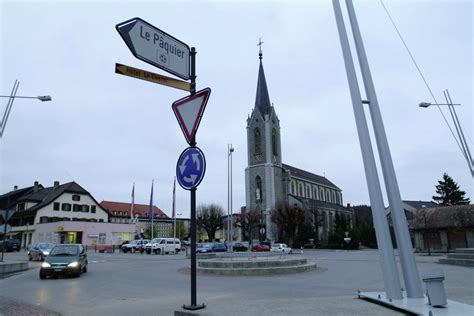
156 47
189 111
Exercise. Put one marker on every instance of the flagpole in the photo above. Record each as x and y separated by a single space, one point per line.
174 208
151 209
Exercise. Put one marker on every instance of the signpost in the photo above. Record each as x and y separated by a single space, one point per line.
162 50
152 77
156 47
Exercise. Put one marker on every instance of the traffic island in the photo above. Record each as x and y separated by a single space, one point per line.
8 267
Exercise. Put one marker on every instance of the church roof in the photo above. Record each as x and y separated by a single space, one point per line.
262 98
311 177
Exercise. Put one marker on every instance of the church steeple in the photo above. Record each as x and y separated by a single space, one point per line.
262 99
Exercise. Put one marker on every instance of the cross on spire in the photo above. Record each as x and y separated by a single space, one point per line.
260 47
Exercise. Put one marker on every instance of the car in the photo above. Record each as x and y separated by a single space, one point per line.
152 245
65 259
280 247
238 246
260 247
168 245
40 251
211 247
10 245
135 245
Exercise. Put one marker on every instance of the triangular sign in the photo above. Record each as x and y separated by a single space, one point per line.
189 111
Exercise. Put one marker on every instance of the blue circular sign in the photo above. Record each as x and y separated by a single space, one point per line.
190 168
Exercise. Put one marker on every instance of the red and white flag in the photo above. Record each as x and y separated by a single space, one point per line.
133 202
174 198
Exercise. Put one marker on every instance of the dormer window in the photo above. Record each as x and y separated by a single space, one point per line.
76 197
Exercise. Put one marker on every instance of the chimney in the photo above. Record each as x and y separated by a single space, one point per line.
56 184
35 188
15 187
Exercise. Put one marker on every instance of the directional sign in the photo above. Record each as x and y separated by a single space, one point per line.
152 77
190 168
189 111
156 47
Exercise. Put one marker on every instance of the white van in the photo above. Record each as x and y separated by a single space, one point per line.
165 245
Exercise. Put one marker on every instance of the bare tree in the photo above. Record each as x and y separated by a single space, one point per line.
248 222
209 218
288 220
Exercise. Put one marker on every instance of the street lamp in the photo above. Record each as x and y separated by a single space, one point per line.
230 150
462 140
12 97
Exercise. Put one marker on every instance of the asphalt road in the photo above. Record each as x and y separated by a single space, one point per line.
135 284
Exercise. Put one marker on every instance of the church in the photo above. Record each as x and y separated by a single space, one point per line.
269 182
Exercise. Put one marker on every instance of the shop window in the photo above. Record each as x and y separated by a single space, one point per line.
102 238
56 206
66 207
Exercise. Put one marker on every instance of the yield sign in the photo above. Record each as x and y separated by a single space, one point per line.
189 111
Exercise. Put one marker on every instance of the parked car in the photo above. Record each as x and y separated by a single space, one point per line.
238 246
152 245
168 245
65 259
212 247
135 245
10 245
39 251
280 247
260 247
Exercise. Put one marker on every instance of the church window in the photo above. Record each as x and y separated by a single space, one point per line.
321 194
308 192
328 196
300 189
334 197
293 189
258 142
315 193
274 143
258 190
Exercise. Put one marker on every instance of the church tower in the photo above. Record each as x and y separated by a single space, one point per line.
265 186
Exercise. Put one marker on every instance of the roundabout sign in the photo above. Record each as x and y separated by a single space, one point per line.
190 168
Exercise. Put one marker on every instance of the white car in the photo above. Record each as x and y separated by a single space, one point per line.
163 245
279 247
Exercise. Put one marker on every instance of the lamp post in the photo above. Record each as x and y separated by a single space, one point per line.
230 150
179 232
461 140
12 98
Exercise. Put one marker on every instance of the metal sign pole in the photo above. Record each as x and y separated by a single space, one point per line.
193 305
5 232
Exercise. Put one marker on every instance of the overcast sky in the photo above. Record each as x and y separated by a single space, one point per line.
106 131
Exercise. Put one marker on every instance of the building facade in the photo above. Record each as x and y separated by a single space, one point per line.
269 182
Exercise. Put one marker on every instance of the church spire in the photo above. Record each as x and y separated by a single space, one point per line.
262 99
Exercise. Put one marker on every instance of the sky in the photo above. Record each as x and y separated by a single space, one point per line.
107 131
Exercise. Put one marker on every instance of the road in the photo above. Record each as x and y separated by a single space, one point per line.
141 284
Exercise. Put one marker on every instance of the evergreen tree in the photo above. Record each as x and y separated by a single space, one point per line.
449 193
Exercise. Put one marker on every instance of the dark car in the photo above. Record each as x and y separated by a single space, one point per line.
239 247
65 259
10 245
212 247
40 251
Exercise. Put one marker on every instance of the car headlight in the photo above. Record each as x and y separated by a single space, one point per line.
73 264
45 265
46 253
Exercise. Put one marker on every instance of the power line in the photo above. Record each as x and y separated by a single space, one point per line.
421 74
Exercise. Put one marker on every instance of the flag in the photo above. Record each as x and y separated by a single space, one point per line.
151 202
133 202
174 198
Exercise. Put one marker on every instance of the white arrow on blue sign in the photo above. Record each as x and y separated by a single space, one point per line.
190 168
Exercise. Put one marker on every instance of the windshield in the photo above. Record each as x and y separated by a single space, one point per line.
45 246
64 251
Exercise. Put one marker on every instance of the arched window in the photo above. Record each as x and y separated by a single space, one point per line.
274 143
315 193
308 192
300 189
328 196
258 141
334 197
258 190
293 189
321 194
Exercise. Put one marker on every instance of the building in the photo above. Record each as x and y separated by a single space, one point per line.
269 182
443 228
52 213
163 225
